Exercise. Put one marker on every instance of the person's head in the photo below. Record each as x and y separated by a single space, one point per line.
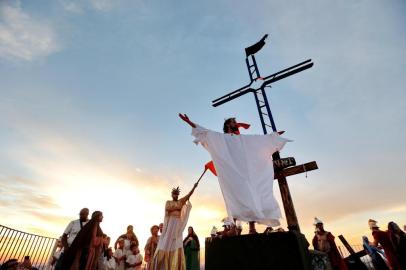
161 227
154 230
319 227
175 193
318 224
121 243
373 225
110 252
190 231
134 249
84 214
59 243
26 258
98 216
130 228
394 228
230 125
11 264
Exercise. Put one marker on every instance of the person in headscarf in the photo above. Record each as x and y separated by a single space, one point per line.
324 241
375 254
398 239
85 249
169 253
151 245
382 238
191 247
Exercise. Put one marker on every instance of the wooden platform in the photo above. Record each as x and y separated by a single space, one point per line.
276 251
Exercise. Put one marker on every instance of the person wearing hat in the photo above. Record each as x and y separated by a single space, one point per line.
382 238
324 241
169 254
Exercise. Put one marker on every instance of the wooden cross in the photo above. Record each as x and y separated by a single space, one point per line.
267 122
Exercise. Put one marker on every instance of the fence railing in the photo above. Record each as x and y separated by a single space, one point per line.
16 244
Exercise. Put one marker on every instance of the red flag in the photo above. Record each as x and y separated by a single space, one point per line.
210 166
243 125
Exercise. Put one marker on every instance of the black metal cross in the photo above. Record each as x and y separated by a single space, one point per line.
267 121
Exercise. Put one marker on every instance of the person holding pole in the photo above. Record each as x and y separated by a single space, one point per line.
169 254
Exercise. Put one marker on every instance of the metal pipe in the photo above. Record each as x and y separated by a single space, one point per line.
18 241
4 240
22 244
7 249
26 245
33 244
36 250
46 254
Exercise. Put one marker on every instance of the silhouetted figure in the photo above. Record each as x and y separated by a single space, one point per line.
324 241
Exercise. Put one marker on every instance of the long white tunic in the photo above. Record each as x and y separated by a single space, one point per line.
245 172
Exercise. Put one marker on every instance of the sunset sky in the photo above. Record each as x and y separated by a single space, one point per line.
90 91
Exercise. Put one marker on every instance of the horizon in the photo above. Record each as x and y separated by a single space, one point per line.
91 90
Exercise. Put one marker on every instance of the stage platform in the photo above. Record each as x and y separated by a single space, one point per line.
275 251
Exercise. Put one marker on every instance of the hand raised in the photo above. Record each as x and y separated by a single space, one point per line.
184 117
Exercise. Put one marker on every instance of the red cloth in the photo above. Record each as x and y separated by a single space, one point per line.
210 166
241 125
382 237
334 255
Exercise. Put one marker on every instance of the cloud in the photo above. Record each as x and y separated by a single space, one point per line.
102 5
72 6
79 6
23 37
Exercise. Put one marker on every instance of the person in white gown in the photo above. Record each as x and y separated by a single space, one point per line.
169 253
245 170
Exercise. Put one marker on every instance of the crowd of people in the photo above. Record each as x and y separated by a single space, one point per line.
387 250
83 245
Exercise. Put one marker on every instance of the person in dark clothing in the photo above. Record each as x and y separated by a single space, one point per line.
398 239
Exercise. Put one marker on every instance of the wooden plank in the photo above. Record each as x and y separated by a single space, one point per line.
310 166
347 246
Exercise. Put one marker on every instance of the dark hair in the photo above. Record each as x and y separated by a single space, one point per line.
8 263
194 236
226 123
133 246
154 226
82 240
176 191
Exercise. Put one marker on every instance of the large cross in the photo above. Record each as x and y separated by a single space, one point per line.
267 122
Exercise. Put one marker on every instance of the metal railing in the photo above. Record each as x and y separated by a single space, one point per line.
16 244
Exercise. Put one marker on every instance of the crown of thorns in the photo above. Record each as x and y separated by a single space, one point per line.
176 191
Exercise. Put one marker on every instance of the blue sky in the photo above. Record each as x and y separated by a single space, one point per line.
90 91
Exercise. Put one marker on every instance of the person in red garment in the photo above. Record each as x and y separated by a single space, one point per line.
382 238
324 241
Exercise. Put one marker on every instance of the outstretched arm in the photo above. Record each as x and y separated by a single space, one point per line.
187 197
185 118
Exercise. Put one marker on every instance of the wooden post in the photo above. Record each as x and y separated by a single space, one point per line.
290 213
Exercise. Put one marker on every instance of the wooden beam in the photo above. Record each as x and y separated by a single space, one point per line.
310 166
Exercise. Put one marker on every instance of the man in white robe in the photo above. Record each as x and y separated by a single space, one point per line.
245 171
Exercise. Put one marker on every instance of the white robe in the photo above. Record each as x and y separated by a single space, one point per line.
245 172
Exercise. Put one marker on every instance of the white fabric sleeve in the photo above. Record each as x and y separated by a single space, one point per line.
68 228
200 134
276 142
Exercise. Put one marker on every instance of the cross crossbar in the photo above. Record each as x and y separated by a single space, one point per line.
267 80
